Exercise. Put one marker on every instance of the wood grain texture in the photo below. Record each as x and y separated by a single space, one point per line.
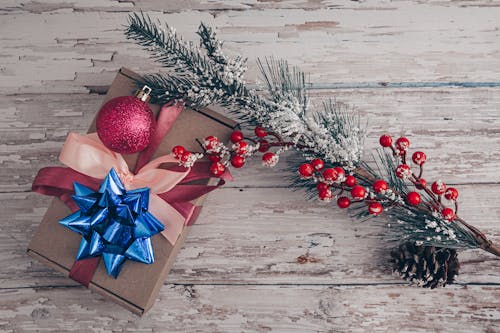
429 70
230 308
80 46
255 235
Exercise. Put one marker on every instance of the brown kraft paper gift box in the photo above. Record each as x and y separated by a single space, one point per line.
138 284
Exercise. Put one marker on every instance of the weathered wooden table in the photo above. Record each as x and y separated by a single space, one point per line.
431 71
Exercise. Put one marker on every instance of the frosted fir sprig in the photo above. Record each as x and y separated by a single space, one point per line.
196 79
205 75
332 134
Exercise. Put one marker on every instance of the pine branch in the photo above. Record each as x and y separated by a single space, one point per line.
198 79
333 133
212 45
418 225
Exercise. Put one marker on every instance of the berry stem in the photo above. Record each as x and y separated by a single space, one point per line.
201 145
421 171
484 242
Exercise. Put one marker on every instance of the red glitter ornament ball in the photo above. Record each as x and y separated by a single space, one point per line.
413 198
126 124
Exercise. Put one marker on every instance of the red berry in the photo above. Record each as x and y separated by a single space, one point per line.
422 183
385 140
448 214
211 143
270 159
402 144
380 186
350 181
236 136
306 170
438 187
186 156
419 158
237 161
322 186
330 175
325 195
263 146
375 208
240 147
318 164
403 171
260 132
451 193
214 157
358 192
178 151
217 168
343 202
413 198
340 172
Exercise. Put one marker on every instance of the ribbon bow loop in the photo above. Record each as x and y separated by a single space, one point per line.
87 155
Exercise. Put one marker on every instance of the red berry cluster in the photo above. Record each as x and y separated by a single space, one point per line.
268 159
331 179
221 156
404 171
185 157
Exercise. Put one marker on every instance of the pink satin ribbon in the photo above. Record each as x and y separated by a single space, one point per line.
87 155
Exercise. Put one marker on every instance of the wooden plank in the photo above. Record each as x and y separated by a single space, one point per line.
457 128
257 235
215 6
405 41
260 309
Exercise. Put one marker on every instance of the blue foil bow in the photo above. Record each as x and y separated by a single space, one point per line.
114 223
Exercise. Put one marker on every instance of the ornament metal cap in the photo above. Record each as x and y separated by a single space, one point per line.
144 94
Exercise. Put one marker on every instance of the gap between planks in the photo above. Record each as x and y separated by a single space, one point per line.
339 285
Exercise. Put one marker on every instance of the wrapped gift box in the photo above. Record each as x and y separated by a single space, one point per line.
138 284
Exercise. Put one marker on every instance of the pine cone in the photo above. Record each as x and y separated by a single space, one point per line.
426 266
